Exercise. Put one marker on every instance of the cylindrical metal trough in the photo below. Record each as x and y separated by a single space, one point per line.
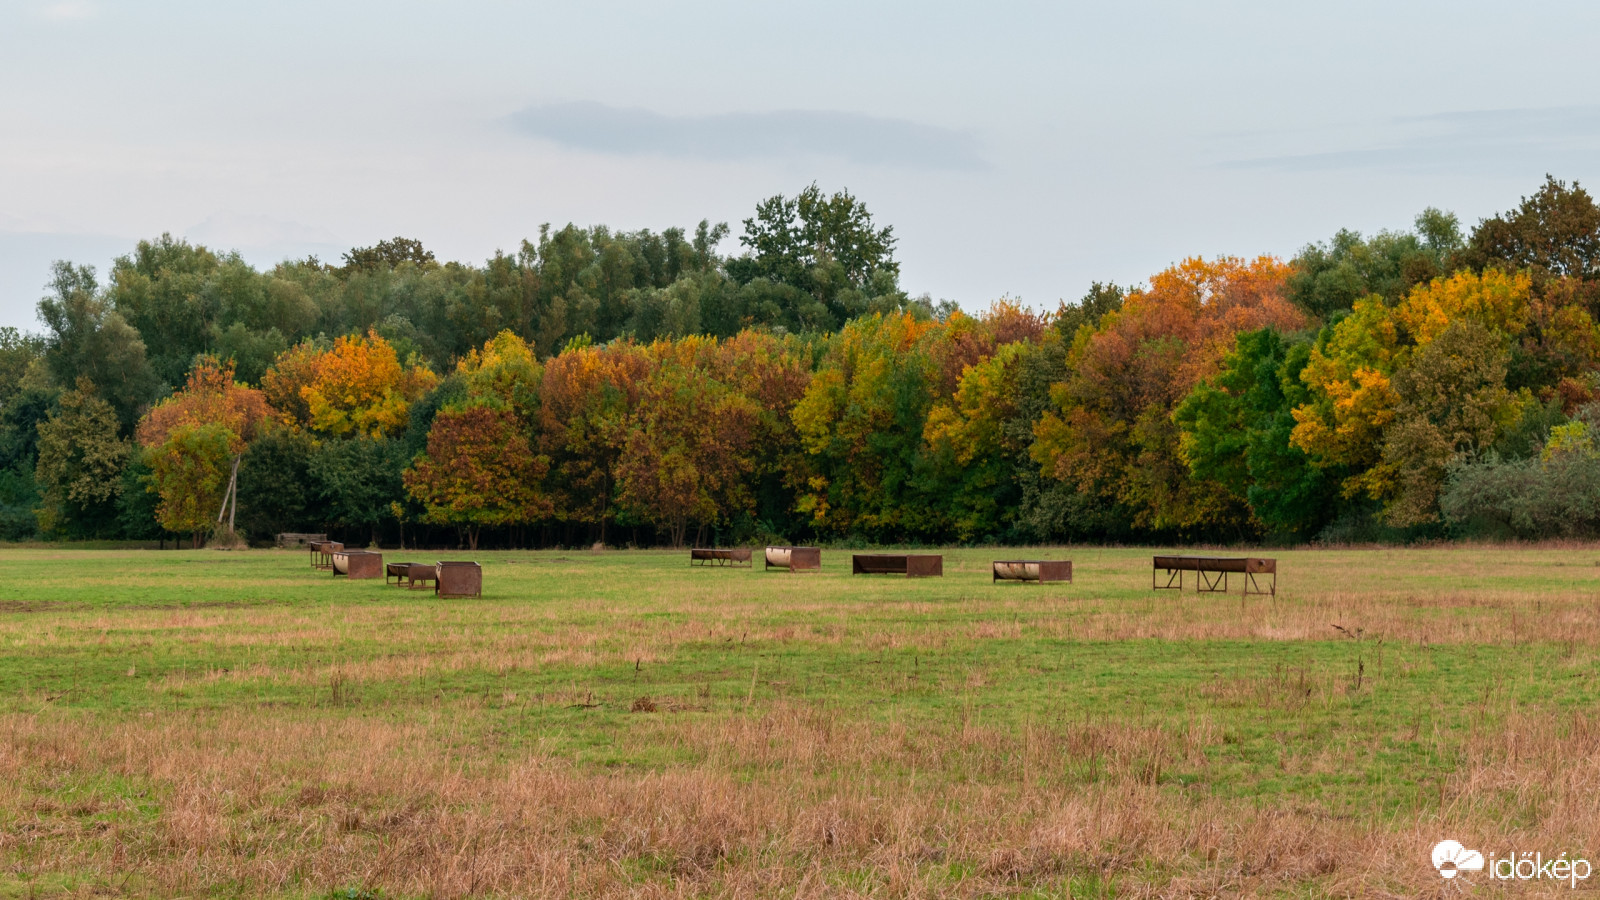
358 564
795 559
1032 570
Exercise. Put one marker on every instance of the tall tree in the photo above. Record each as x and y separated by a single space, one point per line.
1236 428
1112 433
479 469
87 338
79 471
1554 234
189 472
821 245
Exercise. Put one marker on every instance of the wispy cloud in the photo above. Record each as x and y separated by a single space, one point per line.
68 10
873 140
1471 140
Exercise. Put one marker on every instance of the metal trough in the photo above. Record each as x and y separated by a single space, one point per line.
1036 570
911 565
1211 573
322 553
409 574
738 557
458 579
795 559
358 564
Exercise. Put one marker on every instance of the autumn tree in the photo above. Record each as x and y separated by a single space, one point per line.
479 469
1353 400
189 472
285 381
686 443
359 387
504 375
1112 433
211 403
1553 235
586 396
860 424
1451 403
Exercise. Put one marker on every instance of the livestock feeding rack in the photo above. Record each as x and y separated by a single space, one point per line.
1211 573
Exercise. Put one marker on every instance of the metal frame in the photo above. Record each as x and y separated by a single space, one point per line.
452 577
322 554
716 558
1211 573
359 564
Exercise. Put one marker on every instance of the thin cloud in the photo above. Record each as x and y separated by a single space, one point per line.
68 10
873 140
1472 140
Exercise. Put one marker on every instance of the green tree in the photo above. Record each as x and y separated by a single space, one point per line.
80 462
87 338
821 245
1330 277
357 481
1236 427
276 491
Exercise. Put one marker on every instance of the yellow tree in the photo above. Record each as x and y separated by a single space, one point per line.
1355 406
359 387
194 439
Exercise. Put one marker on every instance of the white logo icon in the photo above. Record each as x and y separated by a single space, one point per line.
1451 859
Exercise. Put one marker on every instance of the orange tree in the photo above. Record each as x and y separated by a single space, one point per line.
773 372
585 398
686 443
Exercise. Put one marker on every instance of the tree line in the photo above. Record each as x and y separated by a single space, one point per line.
639 387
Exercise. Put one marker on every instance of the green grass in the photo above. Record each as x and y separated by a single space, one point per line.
1276 707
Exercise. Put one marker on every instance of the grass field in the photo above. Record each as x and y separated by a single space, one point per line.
619 724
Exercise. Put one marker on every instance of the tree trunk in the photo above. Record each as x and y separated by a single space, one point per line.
472 538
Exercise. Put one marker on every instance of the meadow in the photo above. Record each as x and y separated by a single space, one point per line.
221 724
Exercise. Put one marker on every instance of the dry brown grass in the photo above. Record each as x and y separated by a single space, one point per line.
789 801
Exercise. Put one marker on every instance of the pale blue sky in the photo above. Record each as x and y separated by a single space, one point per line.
1017 148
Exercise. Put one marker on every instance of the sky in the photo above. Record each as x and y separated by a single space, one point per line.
1017 149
